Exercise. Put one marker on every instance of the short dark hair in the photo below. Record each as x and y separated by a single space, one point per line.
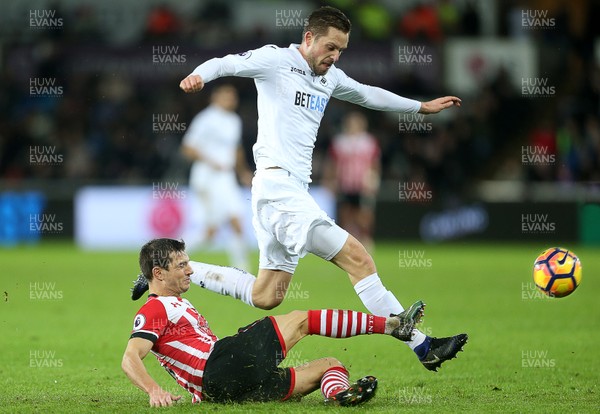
325 17
157 252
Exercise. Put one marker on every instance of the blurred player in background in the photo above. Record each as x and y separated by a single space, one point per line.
354 176
212 143
243 367
294 86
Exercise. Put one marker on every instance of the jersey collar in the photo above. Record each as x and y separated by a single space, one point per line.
295 47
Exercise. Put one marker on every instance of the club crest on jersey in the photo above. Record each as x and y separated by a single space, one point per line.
139 322
323 81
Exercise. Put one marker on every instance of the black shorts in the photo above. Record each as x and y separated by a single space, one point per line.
352 199
244 367
356 200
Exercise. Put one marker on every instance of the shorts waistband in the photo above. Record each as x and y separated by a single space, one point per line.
275 170
278 171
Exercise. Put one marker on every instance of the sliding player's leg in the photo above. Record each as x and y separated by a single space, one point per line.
332 378
328 373
335 323
265 291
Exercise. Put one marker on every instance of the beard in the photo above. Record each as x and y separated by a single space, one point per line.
319 68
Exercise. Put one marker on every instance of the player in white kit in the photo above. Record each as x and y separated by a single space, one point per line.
212 142
294 86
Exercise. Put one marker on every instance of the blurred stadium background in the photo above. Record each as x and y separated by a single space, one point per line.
91 115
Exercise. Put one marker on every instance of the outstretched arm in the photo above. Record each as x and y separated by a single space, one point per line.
257 64
373 97
136 351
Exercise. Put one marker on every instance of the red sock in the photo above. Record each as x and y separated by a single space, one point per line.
343 323
334 380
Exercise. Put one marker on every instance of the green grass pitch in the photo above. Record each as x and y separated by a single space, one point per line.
66 316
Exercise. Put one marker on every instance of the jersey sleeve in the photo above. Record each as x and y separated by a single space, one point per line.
150 321
372 97
257 63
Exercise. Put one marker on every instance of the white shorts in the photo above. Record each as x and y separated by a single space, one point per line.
283 216
218 192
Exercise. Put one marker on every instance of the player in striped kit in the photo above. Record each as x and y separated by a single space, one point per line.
354 175
294 85
243 367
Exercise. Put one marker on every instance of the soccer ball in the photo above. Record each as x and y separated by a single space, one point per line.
557 272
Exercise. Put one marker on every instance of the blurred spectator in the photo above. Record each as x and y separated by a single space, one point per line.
449 16
162 22
354 175
374 21
421 23
542 152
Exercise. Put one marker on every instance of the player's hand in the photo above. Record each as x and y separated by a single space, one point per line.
193 83
162 398
439 104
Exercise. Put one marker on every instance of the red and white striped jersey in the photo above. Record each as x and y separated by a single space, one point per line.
181 336
355 156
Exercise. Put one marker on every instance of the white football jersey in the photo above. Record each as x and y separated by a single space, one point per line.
291 102
216 134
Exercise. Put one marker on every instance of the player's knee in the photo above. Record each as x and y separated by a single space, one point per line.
330 362
299 318
265 301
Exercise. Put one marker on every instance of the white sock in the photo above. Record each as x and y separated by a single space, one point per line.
237 252
381 302
417 339
224 280
376 298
